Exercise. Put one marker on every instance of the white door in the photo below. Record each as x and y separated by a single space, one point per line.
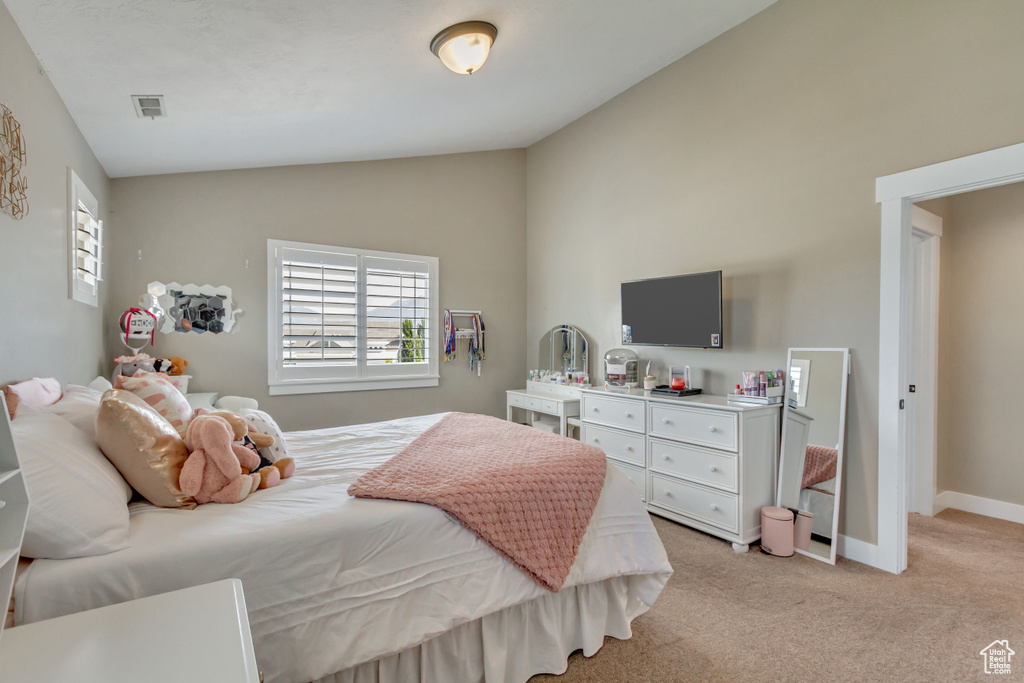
922 361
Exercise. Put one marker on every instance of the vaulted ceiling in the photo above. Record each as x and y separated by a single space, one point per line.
252 83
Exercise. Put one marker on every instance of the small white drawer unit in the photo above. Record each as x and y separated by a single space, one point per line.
697 460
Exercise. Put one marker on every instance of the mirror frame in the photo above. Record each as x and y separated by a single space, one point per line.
831 559
575 332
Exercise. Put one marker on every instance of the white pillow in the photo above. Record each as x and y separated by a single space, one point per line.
202 400
266 425
100 384
78 501
78 406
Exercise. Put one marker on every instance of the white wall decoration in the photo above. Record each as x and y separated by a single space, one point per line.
193 308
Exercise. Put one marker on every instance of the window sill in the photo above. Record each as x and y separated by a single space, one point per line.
369 384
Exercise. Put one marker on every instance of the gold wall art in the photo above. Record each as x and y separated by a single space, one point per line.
13 185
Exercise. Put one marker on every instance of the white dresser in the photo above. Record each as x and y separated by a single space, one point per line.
697 460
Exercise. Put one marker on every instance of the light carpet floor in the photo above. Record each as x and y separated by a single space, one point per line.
752 617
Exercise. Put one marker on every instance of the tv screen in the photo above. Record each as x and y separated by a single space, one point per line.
685 310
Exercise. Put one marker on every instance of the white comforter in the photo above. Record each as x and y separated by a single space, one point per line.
332 581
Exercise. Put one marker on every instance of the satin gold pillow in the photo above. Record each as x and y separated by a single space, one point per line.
144 447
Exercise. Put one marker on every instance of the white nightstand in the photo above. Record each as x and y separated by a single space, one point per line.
195 634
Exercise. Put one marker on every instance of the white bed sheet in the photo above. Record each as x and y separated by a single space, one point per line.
332 581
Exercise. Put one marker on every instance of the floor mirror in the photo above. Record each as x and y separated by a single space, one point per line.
813 442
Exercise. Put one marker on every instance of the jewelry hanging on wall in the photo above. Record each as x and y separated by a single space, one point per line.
13 185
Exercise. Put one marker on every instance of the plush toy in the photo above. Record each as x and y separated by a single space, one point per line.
270 473
128 365
162 365
213 471
177 365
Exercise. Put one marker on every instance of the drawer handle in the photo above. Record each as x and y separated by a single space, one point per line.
596 440
629 415
666 420
629 448
713 468
666 457
712 429
714 508
595 409
668 494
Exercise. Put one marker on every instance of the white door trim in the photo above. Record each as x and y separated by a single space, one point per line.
897 193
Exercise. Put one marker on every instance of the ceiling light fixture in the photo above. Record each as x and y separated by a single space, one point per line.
464 47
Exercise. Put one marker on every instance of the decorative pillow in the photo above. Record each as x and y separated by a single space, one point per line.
265 424
161 394
78 406
143 446
11 401
36 392
100 384
78 501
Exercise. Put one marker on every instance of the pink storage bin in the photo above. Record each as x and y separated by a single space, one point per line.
776 531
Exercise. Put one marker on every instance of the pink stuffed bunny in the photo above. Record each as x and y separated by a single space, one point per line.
213 471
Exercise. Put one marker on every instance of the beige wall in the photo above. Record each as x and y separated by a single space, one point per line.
981 341
44 332
202 228
757 154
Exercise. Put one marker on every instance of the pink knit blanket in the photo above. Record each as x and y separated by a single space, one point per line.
527 493
819 465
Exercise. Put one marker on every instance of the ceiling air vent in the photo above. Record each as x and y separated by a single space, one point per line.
149 106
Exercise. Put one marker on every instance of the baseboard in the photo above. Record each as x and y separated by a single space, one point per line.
1011 512
857 550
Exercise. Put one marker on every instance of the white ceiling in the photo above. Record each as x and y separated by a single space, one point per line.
252 83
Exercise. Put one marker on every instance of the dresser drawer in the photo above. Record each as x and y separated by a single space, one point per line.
696 464
542 405
714 428
516 400
623 445
707 505
635 475
616 412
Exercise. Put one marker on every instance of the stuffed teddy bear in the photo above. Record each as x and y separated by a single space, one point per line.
213 471
178 365
271 473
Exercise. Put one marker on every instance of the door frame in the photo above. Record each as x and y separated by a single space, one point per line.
897 194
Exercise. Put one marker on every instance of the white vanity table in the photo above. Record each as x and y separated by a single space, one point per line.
698 460
537 399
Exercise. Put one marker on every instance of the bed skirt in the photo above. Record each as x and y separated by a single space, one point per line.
516 643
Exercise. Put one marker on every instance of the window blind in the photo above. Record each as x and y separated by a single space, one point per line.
319 317
88 248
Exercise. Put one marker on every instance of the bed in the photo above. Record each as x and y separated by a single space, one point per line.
347 589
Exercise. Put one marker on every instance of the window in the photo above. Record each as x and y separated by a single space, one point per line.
349 319
85 242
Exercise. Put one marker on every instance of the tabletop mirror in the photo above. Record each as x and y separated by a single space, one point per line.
564 349
813 439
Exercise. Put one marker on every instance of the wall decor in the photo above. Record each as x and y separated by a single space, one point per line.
13 185
193 308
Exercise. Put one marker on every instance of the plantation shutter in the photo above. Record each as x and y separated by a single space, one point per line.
88 250
397 314
319 309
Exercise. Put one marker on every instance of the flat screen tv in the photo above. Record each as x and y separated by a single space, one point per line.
684 310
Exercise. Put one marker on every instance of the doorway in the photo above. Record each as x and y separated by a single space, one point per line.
896 194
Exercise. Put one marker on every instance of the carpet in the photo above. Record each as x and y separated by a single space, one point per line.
725 616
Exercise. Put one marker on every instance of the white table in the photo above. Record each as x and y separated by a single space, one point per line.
539 402
195 634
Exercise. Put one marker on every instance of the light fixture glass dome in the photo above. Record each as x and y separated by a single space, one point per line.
464 47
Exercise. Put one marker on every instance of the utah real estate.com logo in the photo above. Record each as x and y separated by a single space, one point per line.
997 657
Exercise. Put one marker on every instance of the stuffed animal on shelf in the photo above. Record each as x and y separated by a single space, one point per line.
177 365
271 473
162 365
213 471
